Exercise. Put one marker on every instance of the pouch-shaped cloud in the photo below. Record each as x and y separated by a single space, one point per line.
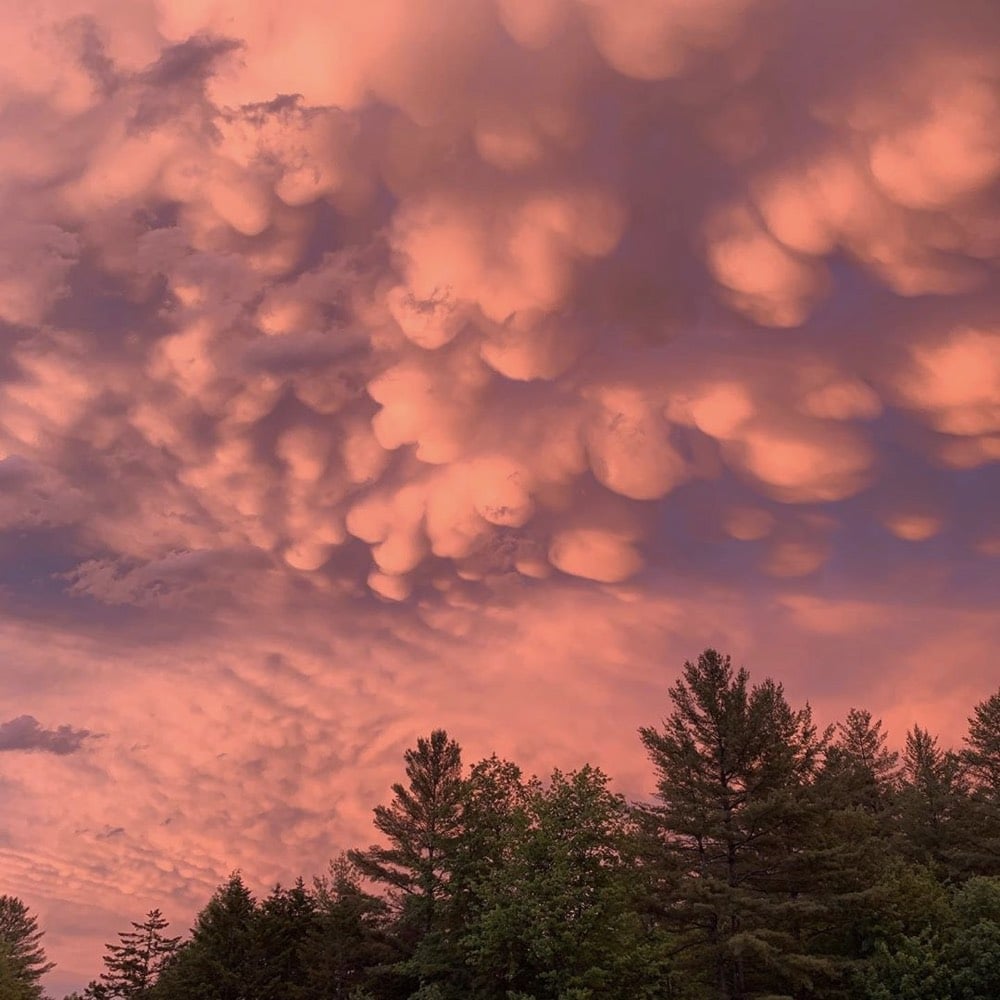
532 345
629 446
595 554
771 284
950 149
504 258
901 183
955 382
839 398
652 39
34 261
804 463
339 55
405 269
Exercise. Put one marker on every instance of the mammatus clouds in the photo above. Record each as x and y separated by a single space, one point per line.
370 367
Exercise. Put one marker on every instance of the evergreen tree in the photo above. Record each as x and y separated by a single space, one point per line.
134 965
933 804
96 990
981 758
492 807
852 842
284 924
13 985
422 824
495 811
736 767
220 961
865 767
349 950
22 957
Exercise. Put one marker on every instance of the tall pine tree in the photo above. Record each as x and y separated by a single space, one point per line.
422 825
22 957
982 755
285 921
13 985
933 804
862 762
981 758
736 766
133 965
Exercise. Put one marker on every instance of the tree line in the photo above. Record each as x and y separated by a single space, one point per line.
777 862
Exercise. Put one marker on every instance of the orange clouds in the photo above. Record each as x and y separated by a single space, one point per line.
473 357
408 238
508 259
956 382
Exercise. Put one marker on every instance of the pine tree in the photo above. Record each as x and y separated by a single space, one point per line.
866 769
422 824
134 965
495 812
933 804
982 762
22 957
736 768
284 924
856 791
350 948
220 960
13 986
982 757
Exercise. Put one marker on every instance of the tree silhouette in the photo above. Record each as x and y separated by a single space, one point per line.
735 767
133 966
422 824
22 957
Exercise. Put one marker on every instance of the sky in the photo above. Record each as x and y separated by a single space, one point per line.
371 368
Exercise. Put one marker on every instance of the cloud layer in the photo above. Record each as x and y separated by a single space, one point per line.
358 359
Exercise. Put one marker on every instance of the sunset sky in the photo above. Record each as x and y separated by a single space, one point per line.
374 366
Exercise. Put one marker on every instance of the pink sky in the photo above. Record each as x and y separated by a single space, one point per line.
367 368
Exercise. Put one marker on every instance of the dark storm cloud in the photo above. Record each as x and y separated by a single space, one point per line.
26 733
